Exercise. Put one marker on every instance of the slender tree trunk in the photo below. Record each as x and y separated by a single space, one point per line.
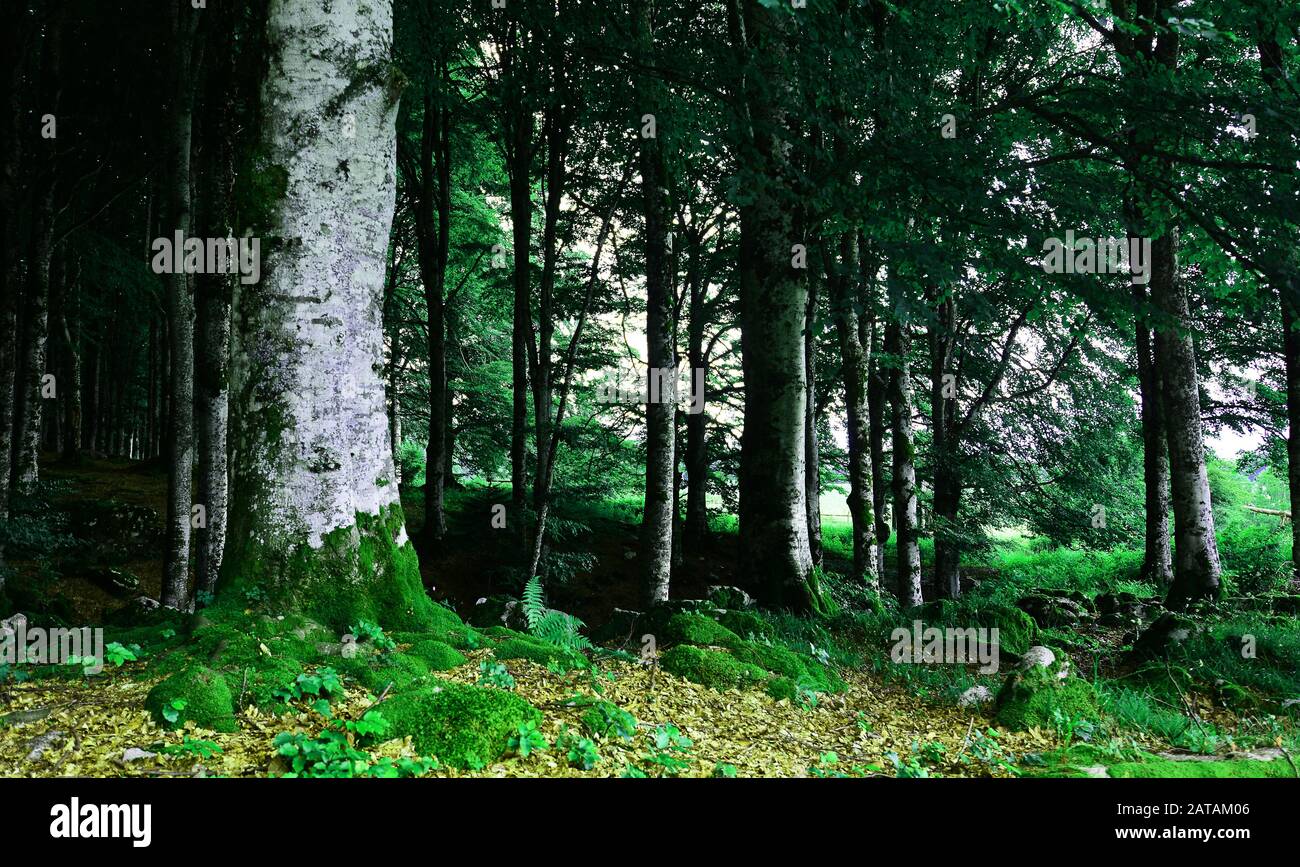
695 531
215 297
876 401
70 433
812 481
900 399
180 318
855 365
316 520
944 446
434 240
661 407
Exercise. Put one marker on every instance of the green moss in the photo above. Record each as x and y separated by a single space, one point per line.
356 573
712 668
782 688
1031 699
461 725
690 628
606 719
1168 768
774 658
259 188
505 633
205 693
746 623
265 679
1017 631
539 652
438 655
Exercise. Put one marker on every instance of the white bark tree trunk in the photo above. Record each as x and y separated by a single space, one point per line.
315 517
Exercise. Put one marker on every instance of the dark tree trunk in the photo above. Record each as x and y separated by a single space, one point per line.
773 316
434 240
215 296
695 531
661 406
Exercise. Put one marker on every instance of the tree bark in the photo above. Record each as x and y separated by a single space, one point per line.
661 406
773 316
855 363
434 239
180 318
215 296
1196 553
316 519
904 480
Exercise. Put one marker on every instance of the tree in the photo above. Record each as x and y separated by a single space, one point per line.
316 524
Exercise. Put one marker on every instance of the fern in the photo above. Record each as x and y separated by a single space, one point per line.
551 626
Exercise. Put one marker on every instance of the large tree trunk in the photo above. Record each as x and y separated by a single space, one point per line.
773 315
316 520
1196 563
900 399
35 334
180 318
661 408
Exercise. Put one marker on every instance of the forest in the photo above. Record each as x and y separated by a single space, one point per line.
650 388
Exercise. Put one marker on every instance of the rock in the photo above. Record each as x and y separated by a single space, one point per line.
118 582
1041 689
1053 610
41 743
135 754
975 696
621 627
1120 609
729 596
497 610
1043 657
1166 636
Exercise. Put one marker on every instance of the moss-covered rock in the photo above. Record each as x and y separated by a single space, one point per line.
691 628
438 655
1017 631
463 726
205 696
712 668
540 652
1033 695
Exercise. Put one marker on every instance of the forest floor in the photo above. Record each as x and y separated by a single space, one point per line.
884 720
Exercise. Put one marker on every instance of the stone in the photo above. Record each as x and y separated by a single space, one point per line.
976 696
